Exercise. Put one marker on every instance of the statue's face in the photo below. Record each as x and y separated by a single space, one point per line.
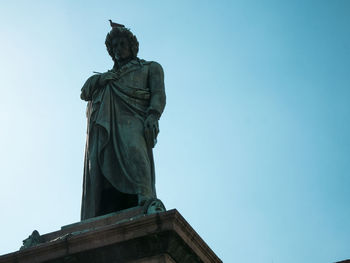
121 48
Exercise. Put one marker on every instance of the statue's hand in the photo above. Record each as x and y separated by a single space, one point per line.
151 129
105 78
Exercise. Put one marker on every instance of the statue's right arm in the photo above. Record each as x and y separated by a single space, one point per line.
89 87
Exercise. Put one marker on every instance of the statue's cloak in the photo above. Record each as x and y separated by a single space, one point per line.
116 149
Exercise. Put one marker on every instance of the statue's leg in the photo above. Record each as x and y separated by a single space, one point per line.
94 186
113 200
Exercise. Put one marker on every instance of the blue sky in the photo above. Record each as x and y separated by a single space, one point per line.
254 149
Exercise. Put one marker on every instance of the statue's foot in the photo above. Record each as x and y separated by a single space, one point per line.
152 206
142 200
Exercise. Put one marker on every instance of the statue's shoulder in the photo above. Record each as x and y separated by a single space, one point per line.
144 62
150 63
92 80
153 67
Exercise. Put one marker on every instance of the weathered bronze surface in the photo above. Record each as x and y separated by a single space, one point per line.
124 106
33 240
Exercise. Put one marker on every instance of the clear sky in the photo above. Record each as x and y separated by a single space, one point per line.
254 149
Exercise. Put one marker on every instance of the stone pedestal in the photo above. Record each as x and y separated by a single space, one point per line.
129 236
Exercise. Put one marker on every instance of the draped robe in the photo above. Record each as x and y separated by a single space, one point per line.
116 148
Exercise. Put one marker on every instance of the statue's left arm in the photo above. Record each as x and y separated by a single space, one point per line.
156 87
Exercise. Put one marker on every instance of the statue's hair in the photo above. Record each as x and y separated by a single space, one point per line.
118 32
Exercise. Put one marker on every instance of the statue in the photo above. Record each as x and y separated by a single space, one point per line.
124 106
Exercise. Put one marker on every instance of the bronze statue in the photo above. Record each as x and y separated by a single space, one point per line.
124 106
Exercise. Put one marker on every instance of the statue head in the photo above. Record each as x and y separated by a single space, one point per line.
121 43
